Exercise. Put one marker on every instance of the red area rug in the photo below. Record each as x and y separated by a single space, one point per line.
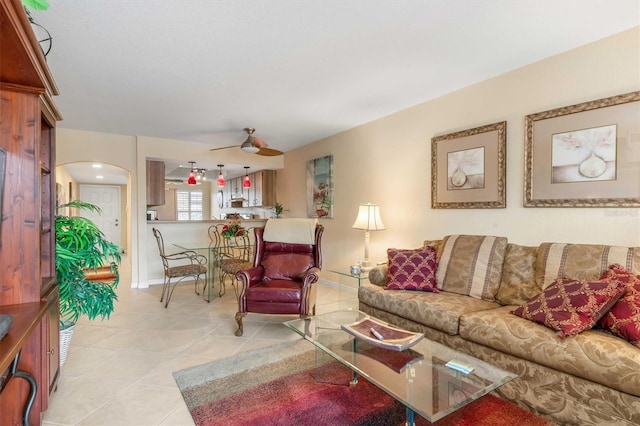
286 392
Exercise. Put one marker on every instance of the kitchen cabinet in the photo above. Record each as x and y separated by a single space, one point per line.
155 183
29 289
261 194
263 188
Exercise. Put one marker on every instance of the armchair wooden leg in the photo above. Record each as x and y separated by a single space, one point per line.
239 316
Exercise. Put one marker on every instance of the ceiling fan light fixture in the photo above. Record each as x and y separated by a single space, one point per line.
220 176
248 147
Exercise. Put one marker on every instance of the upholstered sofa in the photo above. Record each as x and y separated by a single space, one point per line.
589 378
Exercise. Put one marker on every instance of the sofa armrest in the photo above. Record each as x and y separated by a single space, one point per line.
378 275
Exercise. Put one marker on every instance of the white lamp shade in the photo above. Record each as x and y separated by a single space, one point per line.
369 218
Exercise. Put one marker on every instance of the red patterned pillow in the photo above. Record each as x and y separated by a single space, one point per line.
571 306
412 269
623 319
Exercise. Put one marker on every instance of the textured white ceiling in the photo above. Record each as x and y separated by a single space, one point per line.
296 70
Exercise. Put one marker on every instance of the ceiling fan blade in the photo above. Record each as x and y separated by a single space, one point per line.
269 152
224 147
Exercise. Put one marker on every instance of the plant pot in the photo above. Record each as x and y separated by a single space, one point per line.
65 340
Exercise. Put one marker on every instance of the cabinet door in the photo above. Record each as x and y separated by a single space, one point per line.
257 184
268 188
51 346
155 183
228 193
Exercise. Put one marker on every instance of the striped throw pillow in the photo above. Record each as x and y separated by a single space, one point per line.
581 261
471 265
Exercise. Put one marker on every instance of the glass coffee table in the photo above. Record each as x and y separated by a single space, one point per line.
416 377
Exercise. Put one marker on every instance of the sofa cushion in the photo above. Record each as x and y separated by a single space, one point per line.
471 265
436 310
412 269
432 243
592 355
378 275
283 261
581 261
571 306
518 282
623 319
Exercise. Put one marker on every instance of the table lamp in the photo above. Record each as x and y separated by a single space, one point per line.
368 220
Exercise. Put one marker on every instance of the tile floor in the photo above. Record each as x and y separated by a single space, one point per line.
118 371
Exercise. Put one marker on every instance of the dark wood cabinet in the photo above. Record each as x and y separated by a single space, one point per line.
155 183
28 289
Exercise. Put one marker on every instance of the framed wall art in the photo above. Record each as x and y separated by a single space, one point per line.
320 187
468 168
584 155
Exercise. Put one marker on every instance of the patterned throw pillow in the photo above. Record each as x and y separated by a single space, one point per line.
571 306
471 265
412 269
623 319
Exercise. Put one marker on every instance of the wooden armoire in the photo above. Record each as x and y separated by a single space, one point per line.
28 289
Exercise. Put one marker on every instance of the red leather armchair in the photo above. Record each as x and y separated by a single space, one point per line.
282 279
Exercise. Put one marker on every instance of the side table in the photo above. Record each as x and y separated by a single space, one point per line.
344 272
347 289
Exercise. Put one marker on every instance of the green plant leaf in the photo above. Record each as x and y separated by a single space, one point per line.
81 246
36 4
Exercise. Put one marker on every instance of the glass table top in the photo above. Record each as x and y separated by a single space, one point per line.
416 377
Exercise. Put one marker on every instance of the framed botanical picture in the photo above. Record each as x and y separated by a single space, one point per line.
584 155
468 168
320 187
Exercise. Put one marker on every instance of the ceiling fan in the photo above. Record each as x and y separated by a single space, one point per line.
253 145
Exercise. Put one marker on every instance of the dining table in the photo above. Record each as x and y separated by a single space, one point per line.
214 255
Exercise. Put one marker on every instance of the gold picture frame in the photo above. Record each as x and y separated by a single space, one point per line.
468 168
584 155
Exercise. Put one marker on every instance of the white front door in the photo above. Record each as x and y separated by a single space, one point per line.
108 199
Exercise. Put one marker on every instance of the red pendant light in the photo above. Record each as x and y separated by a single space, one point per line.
246 182
192 175
220 176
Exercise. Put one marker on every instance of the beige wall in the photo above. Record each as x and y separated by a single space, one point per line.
388 161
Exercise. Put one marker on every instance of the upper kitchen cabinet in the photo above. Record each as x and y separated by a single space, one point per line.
263 189
155 183
261 194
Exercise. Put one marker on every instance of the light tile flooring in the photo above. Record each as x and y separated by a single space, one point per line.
118 371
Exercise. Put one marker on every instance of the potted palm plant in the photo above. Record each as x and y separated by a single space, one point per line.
81 247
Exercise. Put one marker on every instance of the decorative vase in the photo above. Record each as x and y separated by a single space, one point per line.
65 341
458 178
593 166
